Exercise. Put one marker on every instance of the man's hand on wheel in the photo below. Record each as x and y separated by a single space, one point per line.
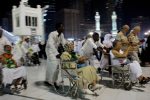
58 56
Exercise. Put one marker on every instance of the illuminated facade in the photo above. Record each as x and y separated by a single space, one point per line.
114 24
97 23
27 20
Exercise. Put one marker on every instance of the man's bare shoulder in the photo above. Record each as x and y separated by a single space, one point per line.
120 33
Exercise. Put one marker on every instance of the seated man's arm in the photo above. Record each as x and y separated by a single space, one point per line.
125 42
118 54
135 44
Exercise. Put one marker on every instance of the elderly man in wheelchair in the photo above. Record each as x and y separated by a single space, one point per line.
119 57
87 75
13 75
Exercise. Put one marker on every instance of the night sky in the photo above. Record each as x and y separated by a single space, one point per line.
131 8
136 7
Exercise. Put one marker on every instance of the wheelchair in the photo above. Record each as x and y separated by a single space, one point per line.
70 84
69 79
121 76
15 86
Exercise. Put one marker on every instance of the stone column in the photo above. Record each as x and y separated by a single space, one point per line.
114 24
97 23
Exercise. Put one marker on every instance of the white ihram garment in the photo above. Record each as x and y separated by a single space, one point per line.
9 74
51 52
35 48
107 43
78 46
87 49
135 67
25 48
17 53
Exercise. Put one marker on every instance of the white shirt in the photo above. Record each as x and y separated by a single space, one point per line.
3 41
78 46
52 44
107 41
25 47
35 48
17 52
87 48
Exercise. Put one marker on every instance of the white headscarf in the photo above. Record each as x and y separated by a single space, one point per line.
107 40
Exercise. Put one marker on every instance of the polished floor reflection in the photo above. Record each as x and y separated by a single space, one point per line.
37 90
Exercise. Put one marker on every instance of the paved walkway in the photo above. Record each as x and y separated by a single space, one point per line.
38 91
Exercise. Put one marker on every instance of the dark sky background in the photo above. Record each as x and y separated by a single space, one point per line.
131 8
136 7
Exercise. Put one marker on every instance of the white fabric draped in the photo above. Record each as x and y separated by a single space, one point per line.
10 74
51 52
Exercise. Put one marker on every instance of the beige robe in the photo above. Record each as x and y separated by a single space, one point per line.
134 50
88 75
122 38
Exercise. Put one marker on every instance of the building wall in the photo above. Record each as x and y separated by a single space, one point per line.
70 19
19 16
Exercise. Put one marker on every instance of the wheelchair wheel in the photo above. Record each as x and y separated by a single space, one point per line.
127 86
24 83
90 86
67 85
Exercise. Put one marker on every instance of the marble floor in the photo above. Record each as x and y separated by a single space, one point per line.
37 90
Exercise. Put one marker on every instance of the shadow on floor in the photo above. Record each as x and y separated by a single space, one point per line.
46 86
28 97
108 83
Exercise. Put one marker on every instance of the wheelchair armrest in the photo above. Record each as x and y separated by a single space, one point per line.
106 53
110 65
120 58
121 65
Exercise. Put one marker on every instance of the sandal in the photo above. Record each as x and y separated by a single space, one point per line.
143 81
147 79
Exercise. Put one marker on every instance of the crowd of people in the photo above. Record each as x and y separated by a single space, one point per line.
90 48
14 58
93 54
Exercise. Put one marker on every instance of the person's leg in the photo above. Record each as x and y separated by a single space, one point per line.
50 71
84 80
135 56
44 54
95 84
56 73
136 69
103 62
143 80
40 54
37 58
85 88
